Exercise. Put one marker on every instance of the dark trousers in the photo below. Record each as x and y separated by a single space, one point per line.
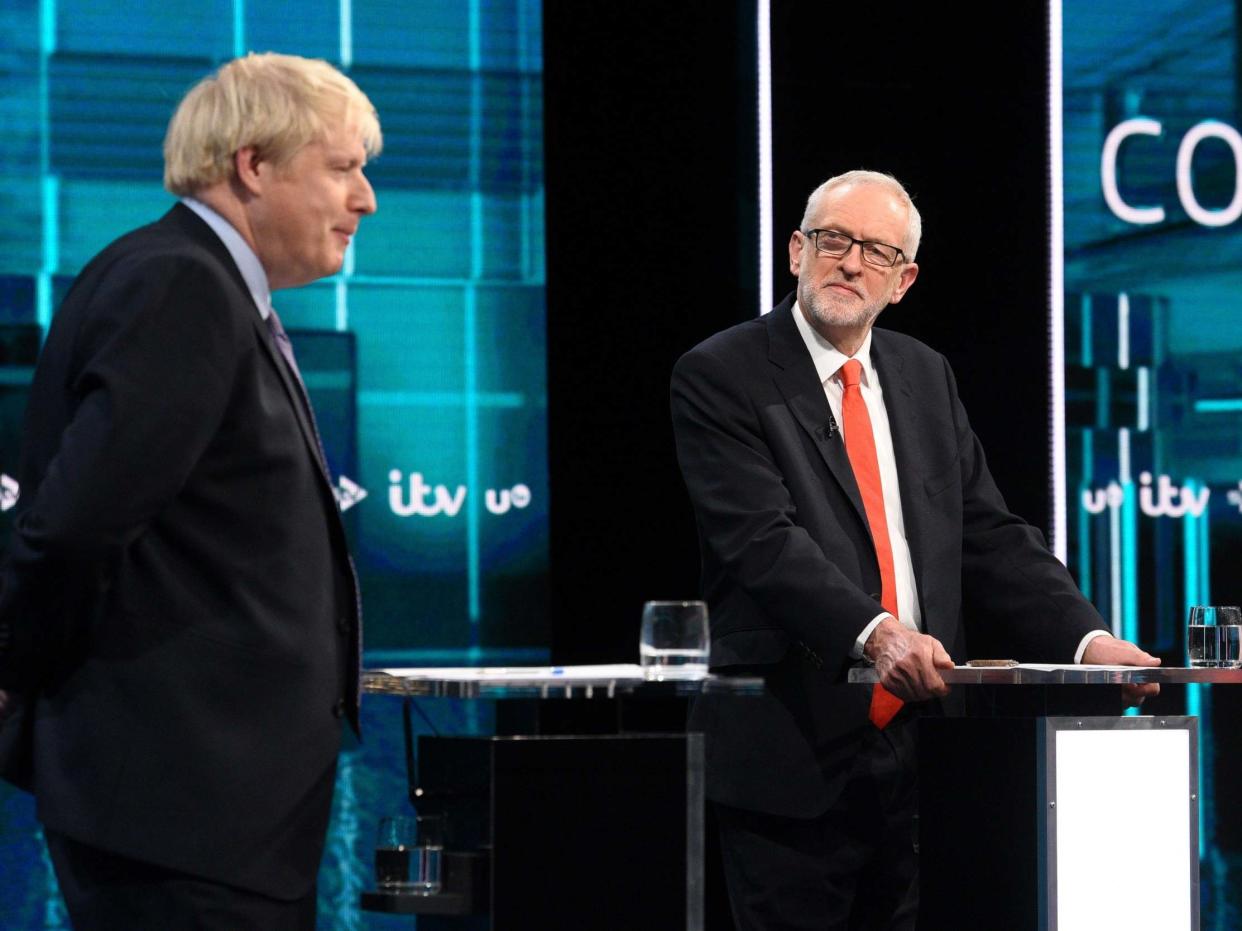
108 892
853 868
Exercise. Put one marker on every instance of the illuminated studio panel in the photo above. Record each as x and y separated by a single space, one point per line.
424 358
1152 440
1151 344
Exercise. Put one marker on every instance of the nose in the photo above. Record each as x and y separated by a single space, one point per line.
851 263
362 198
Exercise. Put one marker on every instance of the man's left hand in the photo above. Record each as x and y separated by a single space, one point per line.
1109 651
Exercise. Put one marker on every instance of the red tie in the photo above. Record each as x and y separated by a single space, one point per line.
860 447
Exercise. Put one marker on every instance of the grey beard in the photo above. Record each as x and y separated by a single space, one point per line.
826 314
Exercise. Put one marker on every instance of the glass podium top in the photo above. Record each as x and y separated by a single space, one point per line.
547 682
1052 674
616 680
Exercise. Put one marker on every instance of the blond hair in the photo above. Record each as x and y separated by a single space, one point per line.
914 222
274 103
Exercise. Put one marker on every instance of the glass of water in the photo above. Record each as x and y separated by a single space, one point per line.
1214 636
674 640
398 835
408 854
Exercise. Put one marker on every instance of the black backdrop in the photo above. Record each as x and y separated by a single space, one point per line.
652 243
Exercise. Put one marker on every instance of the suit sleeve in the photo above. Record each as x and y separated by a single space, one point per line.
746 514
1016 593
149 373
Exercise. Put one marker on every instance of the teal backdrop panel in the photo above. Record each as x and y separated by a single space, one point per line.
424 357
1152 171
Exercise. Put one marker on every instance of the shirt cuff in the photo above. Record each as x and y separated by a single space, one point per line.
857 652
1082 644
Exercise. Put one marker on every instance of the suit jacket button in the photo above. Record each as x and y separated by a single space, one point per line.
338 710
342 624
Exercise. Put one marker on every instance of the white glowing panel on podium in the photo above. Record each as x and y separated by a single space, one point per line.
1116 791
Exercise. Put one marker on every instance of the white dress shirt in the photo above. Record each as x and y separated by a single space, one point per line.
828 361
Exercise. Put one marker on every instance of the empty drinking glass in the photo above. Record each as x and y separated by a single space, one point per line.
674 640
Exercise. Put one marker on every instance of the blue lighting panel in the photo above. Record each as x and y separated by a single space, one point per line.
424 357
1151 171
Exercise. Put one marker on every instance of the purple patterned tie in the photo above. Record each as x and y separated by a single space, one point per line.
281 339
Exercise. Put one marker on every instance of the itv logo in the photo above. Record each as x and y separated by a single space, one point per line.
413 496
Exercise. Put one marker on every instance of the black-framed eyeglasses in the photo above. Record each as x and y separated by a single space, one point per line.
836 243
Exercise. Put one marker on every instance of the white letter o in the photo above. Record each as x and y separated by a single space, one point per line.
1185 189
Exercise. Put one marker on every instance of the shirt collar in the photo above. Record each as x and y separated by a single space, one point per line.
243 256
827 358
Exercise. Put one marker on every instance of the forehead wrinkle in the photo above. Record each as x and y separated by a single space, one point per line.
851 221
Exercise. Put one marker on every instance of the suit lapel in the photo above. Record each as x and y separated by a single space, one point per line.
899 400
300 400
798 382
297 397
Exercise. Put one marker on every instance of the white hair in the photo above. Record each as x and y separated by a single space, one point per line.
914 222
275 103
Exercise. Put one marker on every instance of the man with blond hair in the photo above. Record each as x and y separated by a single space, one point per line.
846 514
179 613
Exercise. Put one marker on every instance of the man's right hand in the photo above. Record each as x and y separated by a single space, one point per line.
907 661
7 705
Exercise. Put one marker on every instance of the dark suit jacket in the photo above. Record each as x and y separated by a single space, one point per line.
789 569
184 609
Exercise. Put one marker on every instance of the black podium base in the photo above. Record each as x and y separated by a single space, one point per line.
978 847
598 832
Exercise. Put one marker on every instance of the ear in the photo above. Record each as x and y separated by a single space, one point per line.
909 272
249 167
796 243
